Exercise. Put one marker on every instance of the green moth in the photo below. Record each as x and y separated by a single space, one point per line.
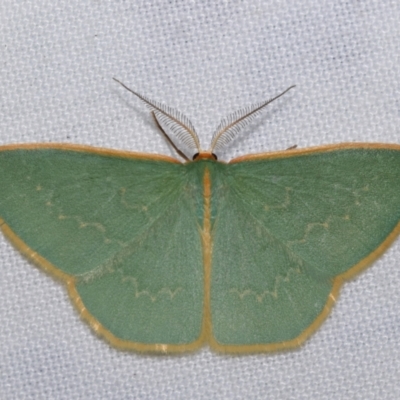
164 256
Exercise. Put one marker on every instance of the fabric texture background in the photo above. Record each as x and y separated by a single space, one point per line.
207 59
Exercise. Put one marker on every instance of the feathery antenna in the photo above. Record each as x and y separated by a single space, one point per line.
174 124
230 127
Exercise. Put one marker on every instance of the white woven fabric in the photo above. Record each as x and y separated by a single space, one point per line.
206 59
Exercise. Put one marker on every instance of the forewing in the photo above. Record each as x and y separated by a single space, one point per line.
120 230
288 230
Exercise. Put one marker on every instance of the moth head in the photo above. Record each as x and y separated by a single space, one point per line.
182 135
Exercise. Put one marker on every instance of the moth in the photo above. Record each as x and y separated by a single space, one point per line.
160 255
